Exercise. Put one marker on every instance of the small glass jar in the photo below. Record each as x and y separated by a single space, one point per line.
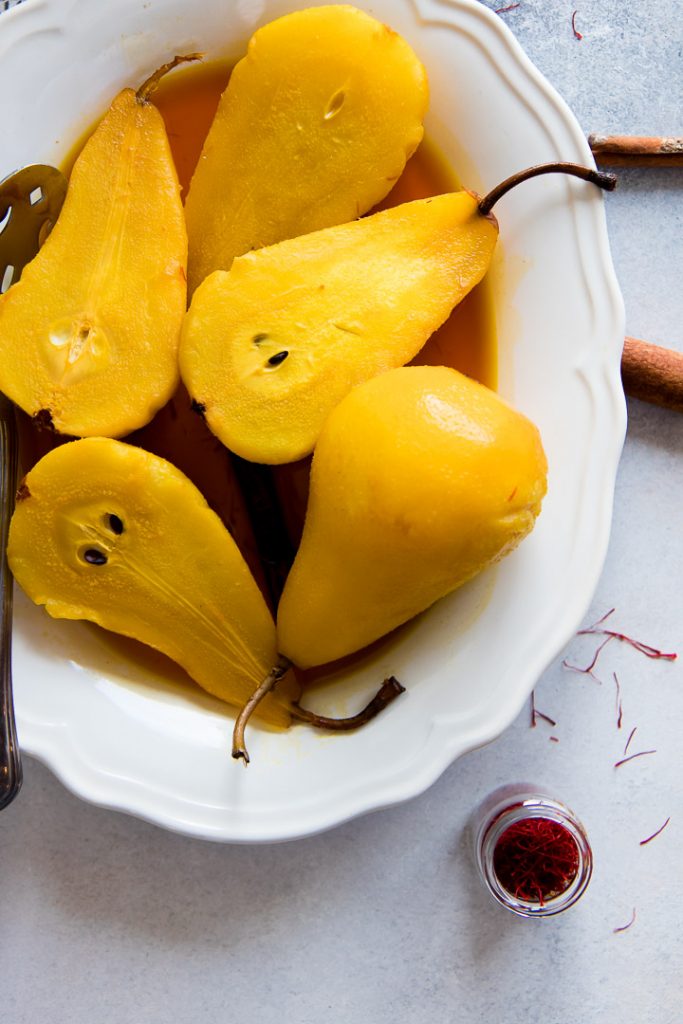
508 806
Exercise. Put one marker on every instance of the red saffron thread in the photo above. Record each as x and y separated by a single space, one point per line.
630 737
554 739
644 842
588 670
577 34
536 859
603 618
646 649
504 10
620 709
536 714
625 927
641 753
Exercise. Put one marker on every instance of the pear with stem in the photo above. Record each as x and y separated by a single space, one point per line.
89 334
269 348
421 479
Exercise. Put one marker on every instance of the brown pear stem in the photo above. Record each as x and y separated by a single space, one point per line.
147 88
600 178
388 692
239 748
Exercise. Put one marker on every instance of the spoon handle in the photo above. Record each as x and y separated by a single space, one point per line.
10 760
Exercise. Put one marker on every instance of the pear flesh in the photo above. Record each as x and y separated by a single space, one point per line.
313 129
421 478
269 348
89 335
106 532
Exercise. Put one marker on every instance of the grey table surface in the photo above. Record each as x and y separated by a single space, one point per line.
104 918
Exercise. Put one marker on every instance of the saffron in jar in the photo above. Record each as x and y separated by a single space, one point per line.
531 851
536 859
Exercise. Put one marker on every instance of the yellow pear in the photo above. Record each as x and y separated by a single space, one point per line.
420 479
106 532
270 347
89 335
313 129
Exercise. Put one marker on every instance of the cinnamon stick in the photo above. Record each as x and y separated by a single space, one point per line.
636 150
652 374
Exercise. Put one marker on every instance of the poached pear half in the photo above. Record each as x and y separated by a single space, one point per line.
89 334
420 479
106 532
314 127
269 348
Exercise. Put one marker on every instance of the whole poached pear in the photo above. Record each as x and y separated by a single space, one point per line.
420 479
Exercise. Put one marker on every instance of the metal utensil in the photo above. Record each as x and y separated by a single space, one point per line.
30 201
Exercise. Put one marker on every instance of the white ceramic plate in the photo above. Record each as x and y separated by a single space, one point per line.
104 719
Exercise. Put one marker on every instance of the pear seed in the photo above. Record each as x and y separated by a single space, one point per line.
278 358
115 523
95 557
336 102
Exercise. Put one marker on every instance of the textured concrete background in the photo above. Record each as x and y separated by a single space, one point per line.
106 919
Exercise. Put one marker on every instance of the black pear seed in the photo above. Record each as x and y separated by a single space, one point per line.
95 557
278 358
115 523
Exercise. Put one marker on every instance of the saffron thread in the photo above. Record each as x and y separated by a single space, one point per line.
588 670
644 842
630 737
504 10
603 618
612 634
577 34
620 709
631 757
536 714
625 927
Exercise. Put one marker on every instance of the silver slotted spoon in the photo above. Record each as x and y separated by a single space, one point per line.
30 201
